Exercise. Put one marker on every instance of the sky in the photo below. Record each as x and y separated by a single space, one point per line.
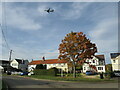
33 33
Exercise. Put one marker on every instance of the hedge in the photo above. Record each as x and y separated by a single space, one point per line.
109 74
50 72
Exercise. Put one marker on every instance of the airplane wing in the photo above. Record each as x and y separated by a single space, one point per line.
52 10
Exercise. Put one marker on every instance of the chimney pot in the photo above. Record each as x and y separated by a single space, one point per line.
43 58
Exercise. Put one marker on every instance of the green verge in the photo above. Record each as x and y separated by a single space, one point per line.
77 79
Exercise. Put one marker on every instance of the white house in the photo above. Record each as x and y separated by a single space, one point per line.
14 64
50 63
115 60
4 64
20 64
98 61
1 68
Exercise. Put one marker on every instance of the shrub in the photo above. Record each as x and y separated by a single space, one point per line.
41 66
109 74
49 72
54 71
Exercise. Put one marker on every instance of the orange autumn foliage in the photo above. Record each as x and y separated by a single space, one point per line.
76 47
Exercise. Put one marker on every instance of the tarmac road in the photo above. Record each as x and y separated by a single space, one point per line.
14 82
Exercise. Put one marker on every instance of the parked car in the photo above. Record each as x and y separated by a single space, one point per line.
15 72
90 73
24 73
8 72
30 73
116 73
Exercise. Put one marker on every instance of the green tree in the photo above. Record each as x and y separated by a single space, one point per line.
76 47
108 67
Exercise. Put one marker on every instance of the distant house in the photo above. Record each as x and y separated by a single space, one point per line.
50 63
20 64
1 68
115 60
4 65
98 61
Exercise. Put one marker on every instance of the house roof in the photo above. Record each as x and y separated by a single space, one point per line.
49 61
101 57
4 61
114 55
19 61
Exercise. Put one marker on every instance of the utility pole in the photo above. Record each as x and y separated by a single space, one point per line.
9 61
10 56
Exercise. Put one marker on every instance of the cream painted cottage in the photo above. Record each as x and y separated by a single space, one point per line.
50 63
115 60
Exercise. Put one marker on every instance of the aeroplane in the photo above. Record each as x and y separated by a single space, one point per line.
49 10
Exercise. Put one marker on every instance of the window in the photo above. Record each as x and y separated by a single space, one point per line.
59 64
87 60
23 62
84 68
113 61
54 64
100 68
63 63
14 64
93 61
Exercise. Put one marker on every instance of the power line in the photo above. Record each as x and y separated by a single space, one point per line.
1 25
4 37
4 16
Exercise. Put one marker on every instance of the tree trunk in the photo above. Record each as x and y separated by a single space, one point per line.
74 70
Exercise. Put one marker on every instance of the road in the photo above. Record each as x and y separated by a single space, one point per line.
26 82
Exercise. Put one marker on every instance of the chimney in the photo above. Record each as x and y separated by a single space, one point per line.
43 58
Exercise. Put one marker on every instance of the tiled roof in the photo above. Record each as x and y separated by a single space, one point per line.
49 61
101 57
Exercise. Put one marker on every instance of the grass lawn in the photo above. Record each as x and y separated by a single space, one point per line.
69 78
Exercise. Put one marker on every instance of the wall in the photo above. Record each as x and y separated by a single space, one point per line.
24 66
31 67
100 70
14 64
91 61
116 64
62 66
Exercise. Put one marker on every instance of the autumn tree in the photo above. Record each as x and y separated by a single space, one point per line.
76 47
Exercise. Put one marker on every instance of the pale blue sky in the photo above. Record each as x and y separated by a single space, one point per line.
33 33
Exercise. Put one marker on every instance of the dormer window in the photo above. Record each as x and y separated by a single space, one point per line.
93 61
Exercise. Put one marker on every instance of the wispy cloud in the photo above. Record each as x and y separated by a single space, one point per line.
75 10
21 51
0 12
105 35
19 19
33 33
